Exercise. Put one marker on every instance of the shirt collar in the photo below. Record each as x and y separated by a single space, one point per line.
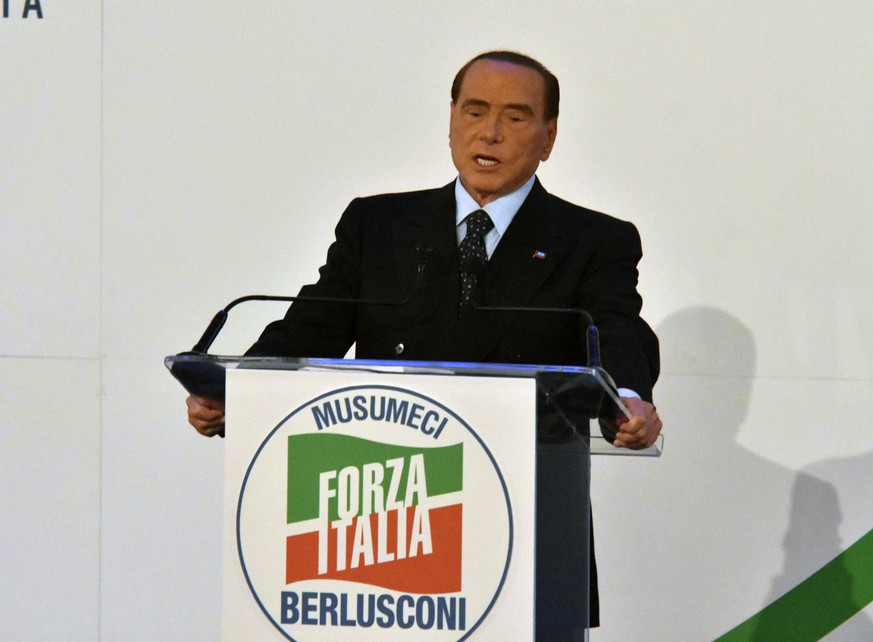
501 210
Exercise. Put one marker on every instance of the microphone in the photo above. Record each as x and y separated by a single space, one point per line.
592 335
592 340
422 256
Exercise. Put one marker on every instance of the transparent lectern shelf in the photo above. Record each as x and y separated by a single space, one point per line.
601 446
572 395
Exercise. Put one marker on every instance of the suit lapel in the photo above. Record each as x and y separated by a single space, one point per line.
526 255
428 227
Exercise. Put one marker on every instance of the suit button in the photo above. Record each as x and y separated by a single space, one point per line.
398 349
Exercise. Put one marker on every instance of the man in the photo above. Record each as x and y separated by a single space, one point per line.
542 252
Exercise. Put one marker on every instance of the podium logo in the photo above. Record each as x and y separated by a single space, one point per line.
386 515
374 509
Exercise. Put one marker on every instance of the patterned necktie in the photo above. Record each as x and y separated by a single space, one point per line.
472 253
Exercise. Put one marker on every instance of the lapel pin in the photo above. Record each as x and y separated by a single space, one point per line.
539 254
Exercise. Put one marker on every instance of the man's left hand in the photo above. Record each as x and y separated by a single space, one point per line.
642 429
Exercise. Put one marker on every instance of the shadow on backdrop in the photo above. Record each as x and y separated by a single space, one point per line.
828 604
718 351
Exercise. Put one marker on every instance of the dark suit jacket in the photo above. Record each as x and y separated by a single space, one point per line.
553 255
589 262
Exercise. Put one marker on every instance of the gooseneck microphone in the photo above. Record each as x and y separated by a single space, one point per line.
422 256
592 336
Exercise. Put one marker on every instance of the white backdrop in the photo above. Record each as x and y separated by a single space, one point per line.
161 159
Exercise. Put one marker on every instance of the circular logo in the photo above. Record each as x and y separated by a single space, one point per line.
374 511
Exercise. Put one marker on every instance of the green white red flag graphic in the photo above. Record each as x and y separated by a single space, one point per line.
374 513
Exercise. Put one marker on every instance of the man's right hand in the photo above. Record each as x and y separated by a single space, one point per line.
206 415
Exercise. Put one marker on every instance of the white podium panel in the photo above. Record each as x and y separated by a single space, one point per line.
369 505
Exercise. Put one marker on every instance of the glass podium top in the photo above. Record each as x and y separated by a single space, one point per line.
577 393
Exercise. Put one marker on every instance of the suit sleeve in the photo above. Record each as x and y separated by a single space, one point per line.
629 347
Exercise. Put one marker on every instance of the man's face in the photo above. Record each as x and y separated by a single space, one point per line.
497 130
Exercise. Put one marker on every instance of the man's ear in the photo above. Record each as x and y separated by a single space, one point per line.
551 134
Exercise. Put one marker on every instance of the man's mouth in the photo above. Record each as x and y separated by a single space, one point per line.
486 161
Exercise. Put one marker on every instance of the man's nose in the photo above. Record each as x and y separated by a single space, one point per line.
490 130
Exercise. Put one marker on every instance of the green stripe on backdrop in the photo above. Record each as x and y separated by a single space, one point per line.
819 604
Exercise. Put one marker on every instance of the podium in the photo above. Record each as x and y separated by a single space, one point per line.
405 500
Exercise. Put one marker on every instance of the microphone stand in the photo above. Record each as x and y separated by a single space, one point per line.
422 251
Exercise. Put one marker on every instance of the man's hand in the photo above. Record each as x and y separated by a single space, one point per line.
641 430
206 415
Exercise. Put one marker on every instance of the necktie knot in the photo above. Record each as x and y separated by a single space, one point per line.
479 223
